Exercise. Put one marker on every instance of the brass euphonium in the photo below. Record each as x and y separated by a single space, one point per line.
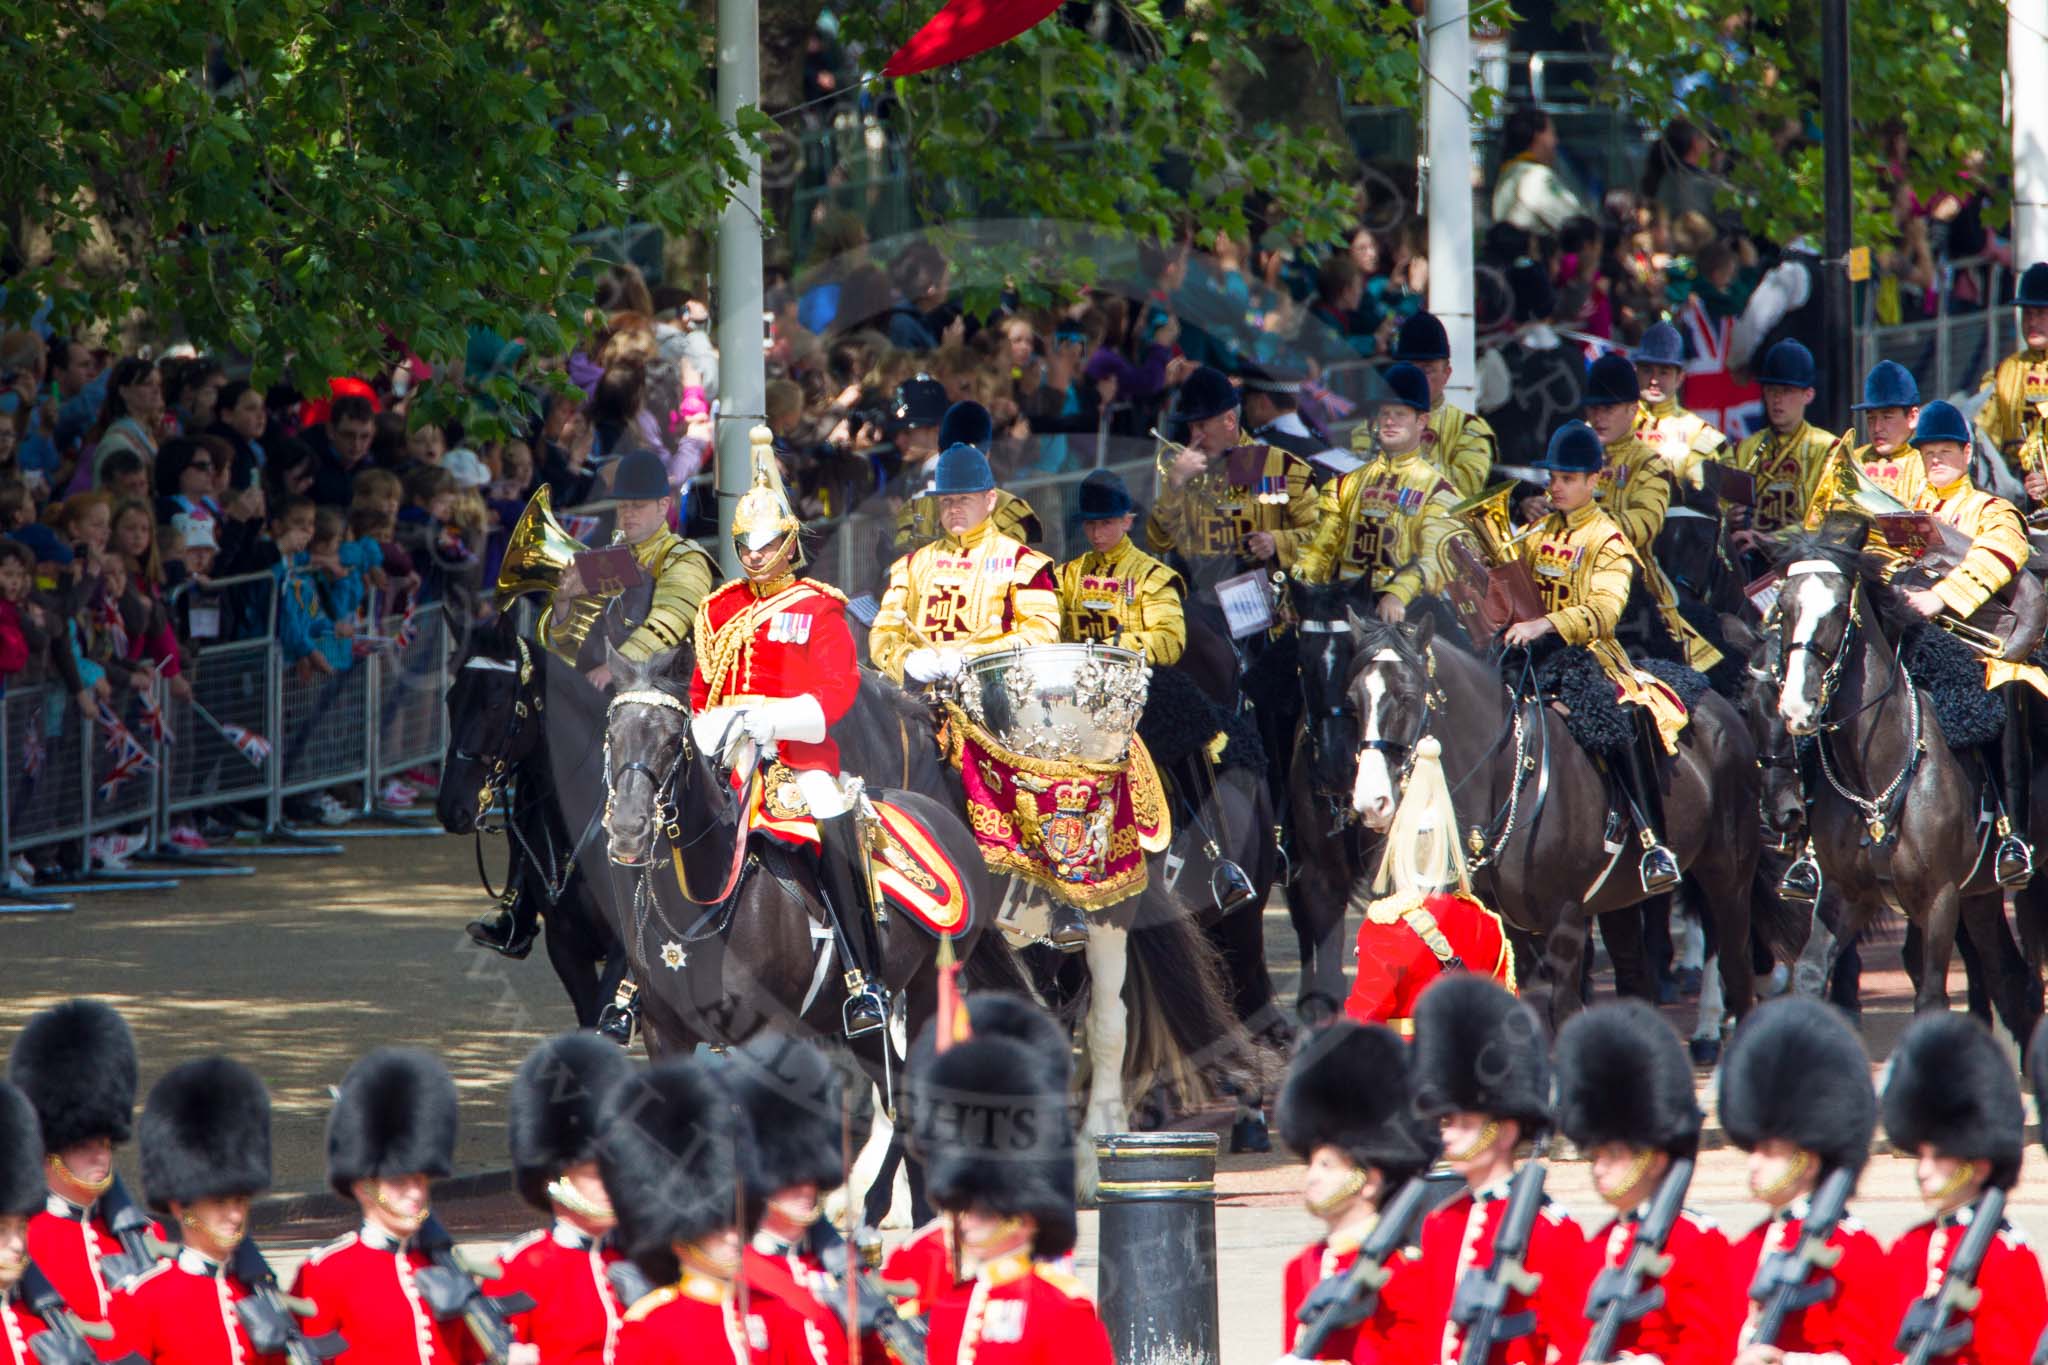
539 552
1480 565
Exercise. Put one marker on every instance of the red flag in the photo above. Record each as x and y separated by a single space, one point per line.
963 28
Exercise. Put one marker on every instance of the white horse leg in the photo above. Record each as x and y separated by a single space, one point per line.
1107 1027
1688 940
1816 959
1706 1029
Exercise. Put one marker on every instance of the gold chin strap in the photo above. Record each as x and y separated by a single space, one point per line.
1344 1194
1488 1135
1962 1177
98 1187
1795 1171
570 1198
1622 1193
413 1218
801 1219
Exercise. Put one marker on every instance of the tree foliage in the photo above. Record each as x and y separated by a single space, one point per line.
300 182
1925 68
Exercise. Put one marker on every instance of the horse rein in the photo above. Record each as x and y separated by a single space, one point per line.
666 816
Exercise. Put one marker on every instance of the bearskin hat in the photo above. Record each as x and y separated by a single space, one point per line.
668 1149
395 1115
1479 1050
551 1120
1623 1076
1796 1071
990 1014
76 1064
1950 1085
791 1094
1348 1088
967 423
22 1188
205 1133
995 1135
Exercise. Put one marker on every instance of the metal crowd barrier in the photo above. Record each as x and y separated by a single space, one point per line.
1949 352
253 732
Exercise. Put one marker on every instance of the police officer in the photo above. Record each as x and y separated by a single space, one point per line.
1625 1098
1952 1107
1382 523
1681 437
1795 1094
999 1148
971 592
392 1130
1347 1111
1223 501
1116 593
1481 1070
566 1268
964 423
1787 457
22 1193
1459 443
205 1140
76 1064
775 670
1998 549
2015 420
1584 566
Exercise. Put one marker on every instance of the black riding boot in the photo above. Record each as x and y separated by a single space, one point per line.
847 898
2016 772
1658 868
509 929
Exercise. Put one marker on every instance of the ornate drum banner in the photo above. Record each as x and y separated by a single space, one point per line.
1060 790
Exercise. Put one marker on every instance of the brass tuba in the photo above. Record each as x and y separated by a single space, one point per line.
539 552
1480 566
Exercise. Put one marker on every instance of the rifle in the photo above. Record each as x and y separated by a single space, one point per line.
65 1339
451 1292
1480 1305
1781 1285
1930 1327
1346 1300
271 1317
1625 1293
904 1338
140 1247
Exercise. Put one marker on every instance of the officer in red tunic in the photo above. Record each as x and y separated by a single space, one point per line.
792 1096
776 669
76 1064
566 1268
392 1130
1625 1098
1796 1095
669 1150
1482 1071
1951 1103
205 1140
999 1148
21 1197
1426 922
1346 1109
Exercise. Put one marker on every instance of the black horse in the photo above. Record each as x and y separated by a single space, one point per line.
505 704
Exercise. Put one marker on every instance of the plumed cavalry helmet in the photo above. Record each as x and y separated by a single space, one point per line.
1348 1088
205 1134
1950 1086
76 1064
1623 1076
764 515
551 1118
1796 1071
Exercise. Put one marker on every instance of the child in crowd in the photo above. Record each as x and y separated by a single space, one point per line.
425 444
19 525
428 532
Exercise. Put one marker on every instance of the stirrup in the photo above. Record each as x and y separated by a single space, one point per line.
616 1021
1658 867
1801 881
866 1007
2014 864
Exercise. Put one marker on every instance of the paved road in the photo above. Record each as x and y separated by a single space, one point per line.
301 967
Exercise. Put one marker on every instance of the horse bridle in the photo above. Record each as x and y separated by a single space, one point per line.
1403 750
1831 676
665 814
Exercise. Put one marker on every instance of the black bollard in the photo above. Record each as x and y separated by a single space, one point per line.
1157 1280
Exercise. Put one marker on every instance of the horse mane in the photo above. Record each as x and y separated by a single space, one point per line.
1823 545
1370 635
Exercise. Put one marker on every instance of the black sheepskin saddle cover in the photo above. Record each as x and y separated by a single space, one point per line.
1953 675
1180 721
1598 721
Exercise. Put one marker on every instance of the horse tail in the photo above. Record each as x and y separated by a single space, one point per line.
1183 1036
995 966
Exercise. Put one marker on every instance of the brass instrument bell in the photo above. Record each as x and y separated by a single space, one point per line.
539 552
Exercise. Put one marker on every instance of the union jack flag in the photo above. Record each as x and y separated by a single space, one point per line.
128 765
1711 389
151 713
247 742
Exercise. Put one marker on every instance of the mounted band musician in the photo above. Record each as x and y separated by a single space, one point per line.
775 670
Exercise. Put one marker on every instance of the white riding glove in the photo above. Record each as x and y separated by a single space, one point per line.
716 728
800 718
929 665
